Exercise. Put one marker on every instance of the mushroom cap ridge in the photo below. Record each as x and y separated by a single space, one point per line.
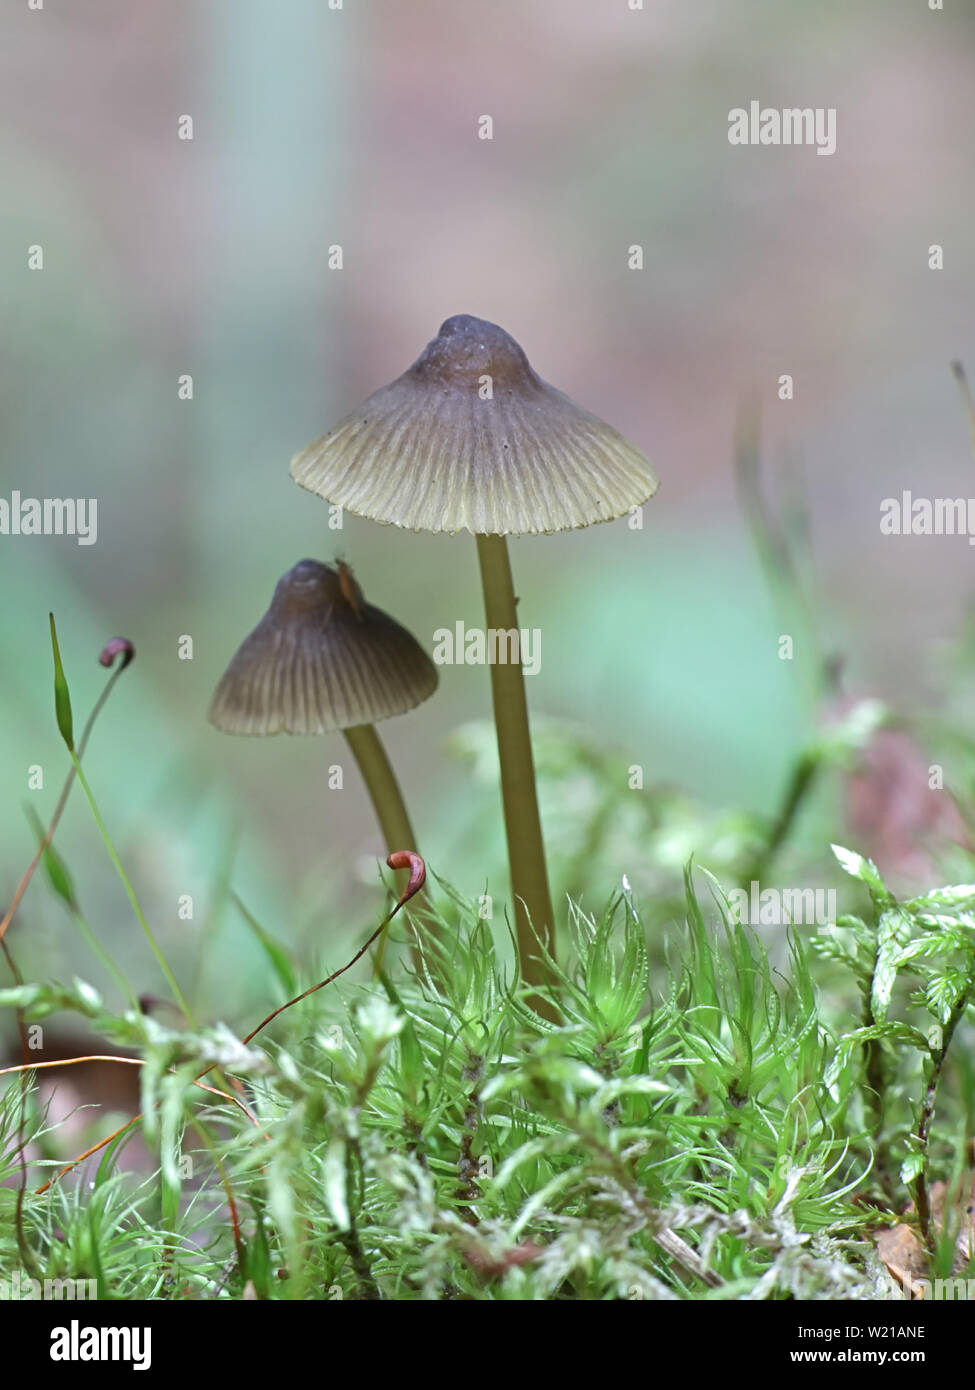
433 452
317 662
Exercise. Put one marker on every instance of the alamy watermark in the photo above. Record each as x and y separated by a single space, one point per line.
495 646
793 125
782 907
20 1288
908 515
50 516
934 1290
77 1343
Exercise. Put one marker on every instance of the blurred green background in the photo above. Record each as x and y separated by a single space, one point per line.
357 126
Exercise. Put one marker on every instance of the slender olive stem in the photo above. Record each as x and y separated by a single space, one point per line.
938 1056
130 892
800 784
383 788
62 800
523 827
387 799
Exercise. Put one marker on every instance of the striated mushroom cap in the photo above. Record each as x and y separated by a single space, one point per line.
428 453
321 659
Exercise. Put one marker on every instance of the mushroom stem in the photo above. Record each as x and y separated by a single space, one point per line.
387 799
526 850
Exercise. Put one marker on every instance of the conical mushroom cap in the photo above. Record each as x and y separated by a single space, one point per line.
429 453
321 659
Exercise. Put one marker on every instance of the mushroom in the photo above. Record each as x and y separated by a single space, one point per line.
470 438
322 659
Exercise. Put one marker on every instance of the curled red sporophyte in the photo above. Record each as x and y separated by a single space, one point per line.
111 650
408 859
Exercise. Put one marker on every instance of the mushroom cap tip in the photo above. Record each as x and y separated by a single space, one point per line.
471 438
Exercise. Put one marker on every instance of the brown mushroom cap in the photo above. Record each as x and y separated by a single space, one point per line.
426 452
321 659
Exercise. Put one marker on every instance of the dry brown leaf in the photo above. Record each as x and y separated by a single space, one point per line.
902 1250
903 1254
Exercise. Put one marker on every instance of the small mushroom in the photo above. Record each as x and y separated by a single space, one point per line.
322 659
471 438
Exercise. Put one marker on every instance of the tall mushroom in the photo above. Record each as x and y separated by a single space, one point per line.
470 438
322 659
